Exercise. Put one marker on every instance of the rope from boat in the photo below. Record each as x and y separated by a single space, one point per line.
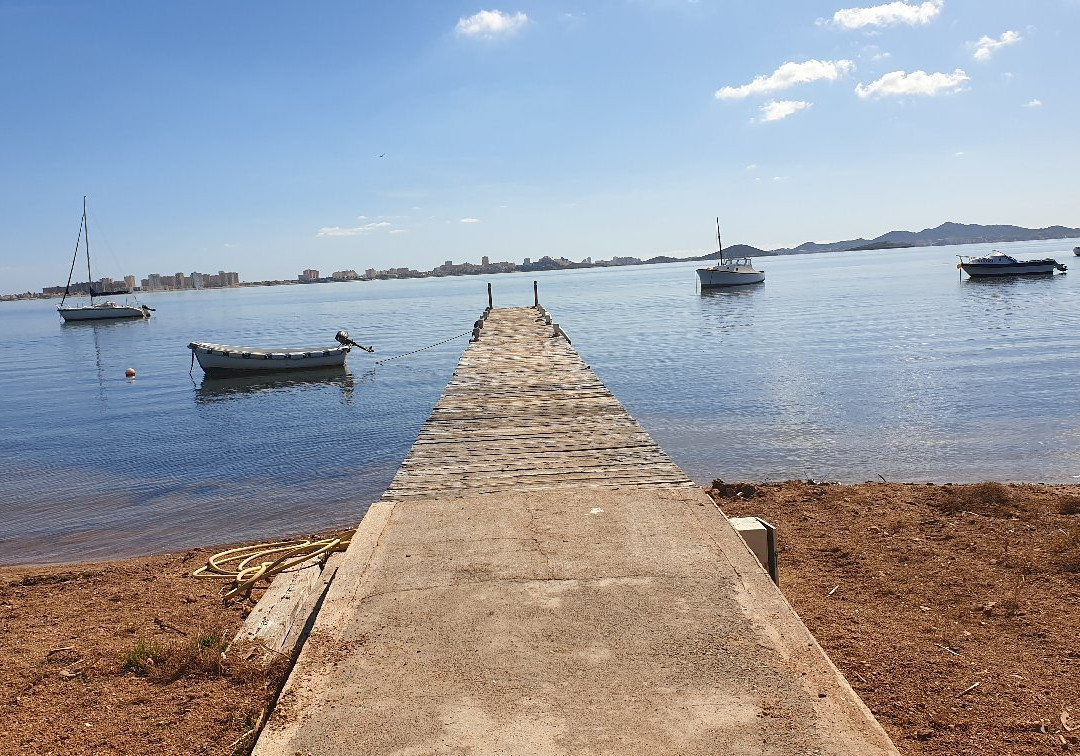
421 349
246 565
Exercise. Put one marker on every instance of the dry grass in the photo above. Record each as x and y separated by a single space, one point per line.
989 498
1069 505
202 656
208 656
1066 549
1010 605
142 658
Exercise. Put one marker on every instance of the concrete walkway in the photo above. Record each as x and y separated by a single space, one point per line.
563 619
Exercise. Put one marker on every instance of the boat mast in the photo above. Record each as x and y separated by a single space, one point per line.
86 232
719 246
74 257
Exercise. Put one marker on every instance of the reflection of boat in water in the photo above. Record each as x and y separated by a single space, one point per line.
724 292
107 310
998 263
735 271
223 359
239 385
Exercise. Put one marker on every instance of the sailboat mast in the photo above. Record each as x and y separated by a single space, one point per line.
86 232
75 256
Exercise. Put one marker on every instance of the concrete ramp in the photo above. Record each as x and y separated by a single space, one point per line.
573 618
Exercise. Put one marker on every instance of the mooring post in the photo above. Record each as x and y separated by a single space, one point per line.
490 305
536 296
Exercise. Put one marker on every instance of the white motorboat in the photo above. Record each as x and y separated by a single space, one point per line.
107 310
998 263
224 359
734 271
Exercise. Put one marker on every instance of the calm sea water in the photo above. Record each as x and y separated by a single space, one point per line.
841 366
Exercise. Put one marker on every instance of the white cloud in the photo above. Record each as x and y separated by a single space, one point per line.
778 110
470 220
899 83
986 46
752 167
490 24
788 75
888 14
363 230
1033 104
958 154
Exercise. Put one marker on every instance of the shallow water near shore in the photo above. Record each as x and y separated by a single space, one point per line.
844 366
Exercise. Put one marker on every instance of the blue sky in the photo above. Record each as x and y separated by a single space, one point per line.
271 137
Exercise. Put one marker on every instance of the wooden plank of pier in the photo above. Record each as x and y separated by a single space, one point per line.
524 412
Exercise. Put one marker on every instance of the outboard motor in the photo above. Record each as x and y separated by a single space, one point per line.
342 337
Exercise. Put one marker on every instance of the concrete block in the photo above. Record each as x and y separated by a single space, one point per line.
760 536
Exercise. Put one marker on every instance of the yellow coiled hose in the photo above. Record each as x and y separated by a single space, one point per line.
247 565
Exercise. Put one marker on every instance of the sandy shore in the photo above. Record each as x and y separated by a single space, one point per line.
953 610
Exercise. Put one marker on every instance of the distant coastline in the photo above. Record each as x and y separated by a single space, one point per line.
948 233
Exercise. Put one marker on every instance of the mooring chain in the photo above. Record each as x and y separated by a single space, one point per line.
421 349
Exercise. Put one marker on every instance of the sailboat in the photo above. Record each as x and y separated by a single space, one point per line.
734 271
107 310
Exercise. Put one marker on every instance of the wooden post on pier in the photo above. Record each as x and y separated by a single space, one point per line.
536 296
490 305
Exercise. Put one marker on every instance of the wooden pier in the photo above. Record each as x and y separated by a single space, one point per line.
540 578
523 412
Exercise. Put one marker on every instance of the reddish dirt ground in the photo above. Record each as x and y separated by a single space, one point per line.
124 658
954 611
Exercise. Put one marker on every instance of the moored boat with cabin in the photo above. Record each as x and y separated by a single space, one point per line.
734 271
997 263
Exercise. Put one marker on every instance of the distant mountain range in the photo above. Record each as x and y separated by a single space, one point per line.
946 233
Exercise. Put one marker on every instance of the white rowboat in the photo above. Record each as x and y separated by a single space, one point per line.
223 359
